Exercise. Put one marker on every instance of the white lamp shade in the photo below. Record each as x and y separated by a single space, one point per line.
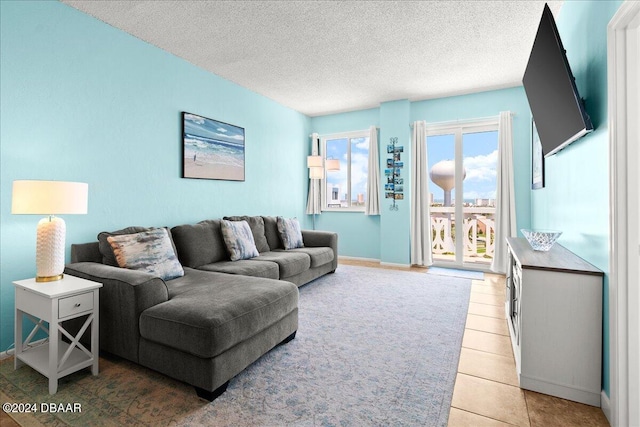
316 173
333 164
49 197
314 161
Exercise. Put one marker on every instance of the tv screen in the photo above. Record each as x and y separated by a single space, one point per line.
557 108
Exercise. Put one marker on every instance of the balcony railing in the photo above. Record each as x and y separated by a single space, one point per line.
478 233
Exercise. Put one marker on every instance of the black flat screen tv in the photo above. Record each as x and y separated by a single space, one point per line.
558 110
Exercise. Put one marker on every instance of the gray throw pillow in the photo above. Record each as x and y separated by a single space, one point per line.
290 232
256 223
239 240
271 232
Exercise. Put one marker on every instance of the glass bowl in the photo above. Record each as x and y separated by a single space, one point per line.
541 240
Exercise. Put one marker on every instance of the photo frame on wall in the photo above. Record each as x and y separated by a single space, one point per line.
537 159
212 149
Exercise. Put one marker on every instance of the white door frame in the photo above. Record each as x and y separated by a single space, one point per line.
623 63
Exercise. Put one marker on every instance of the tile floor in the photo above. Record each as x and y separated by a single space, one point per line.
486 392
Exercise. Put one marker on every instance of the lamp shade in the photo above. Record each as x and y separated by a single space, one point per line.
49 197
316 173
314 161
333 164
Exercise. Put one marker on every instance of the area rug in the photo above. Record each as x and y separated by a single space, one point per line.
454 272
374 347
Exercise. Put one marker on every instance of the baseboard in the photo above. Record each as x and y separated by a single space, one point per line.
392 264
383 264
355 258
564 391
605 405
5 354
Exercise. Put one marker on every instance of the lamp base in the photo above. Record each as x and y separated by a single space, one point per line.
50 249
49 278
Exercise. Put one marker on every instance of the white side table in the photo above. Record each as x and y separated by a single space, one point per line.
55 302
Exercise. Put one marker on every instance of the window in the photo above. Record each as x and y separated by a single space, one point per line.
346 189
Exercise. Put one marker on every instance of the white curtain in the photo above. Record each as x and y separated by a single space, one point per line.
313 199
373 180
505 199
420 218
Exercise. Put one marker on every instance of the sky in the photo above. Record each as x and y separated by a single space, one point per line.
480 155
337 149
208 128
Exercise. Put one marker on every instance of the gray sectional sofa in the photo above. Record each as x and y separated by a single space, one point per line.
207 326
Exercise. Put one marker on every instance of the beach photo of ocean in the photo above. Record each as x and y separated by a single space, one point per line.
212 149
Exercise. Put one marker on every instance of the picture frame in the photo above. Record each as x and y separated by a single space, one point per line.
212 149
537 159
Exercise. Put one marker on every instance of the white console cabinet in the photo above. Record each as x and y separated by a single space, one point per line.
554 312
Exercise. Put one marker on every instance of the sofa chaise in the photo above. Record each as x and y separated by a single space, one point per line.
220 316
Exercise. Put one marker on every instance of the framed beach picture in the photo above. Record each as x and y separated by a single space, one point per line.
537 159
211 149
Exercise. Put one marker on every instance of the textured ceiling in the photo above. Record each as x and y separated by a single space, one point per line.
321 57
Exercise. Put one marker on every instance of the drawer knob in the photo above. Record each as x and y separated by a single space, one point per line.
77 304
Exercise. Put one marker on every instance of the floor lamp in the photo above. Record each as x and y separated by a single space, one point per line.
316 172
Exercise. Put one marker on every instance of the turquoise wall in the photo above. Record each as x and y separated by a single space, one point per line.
359 234
386 237
575 199
395 225
83 101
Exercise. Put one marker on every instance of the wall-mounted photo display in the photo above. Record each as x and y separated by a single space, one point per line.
394 186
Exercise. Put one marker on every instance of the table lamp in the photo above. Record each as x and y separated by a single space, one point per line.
49 198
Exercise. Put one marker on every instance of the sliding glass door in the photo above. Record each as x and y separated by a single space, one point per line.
462 193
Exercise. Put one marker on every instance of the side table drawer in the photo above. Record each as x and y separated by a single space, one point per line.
75 304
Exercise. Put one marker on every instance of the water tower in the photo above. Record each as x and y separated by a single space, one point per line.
443 174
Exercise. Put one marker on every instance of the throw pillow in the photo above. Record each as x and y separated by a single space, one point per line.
105 248
271 232
290 233
149 251
239 240
256 224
